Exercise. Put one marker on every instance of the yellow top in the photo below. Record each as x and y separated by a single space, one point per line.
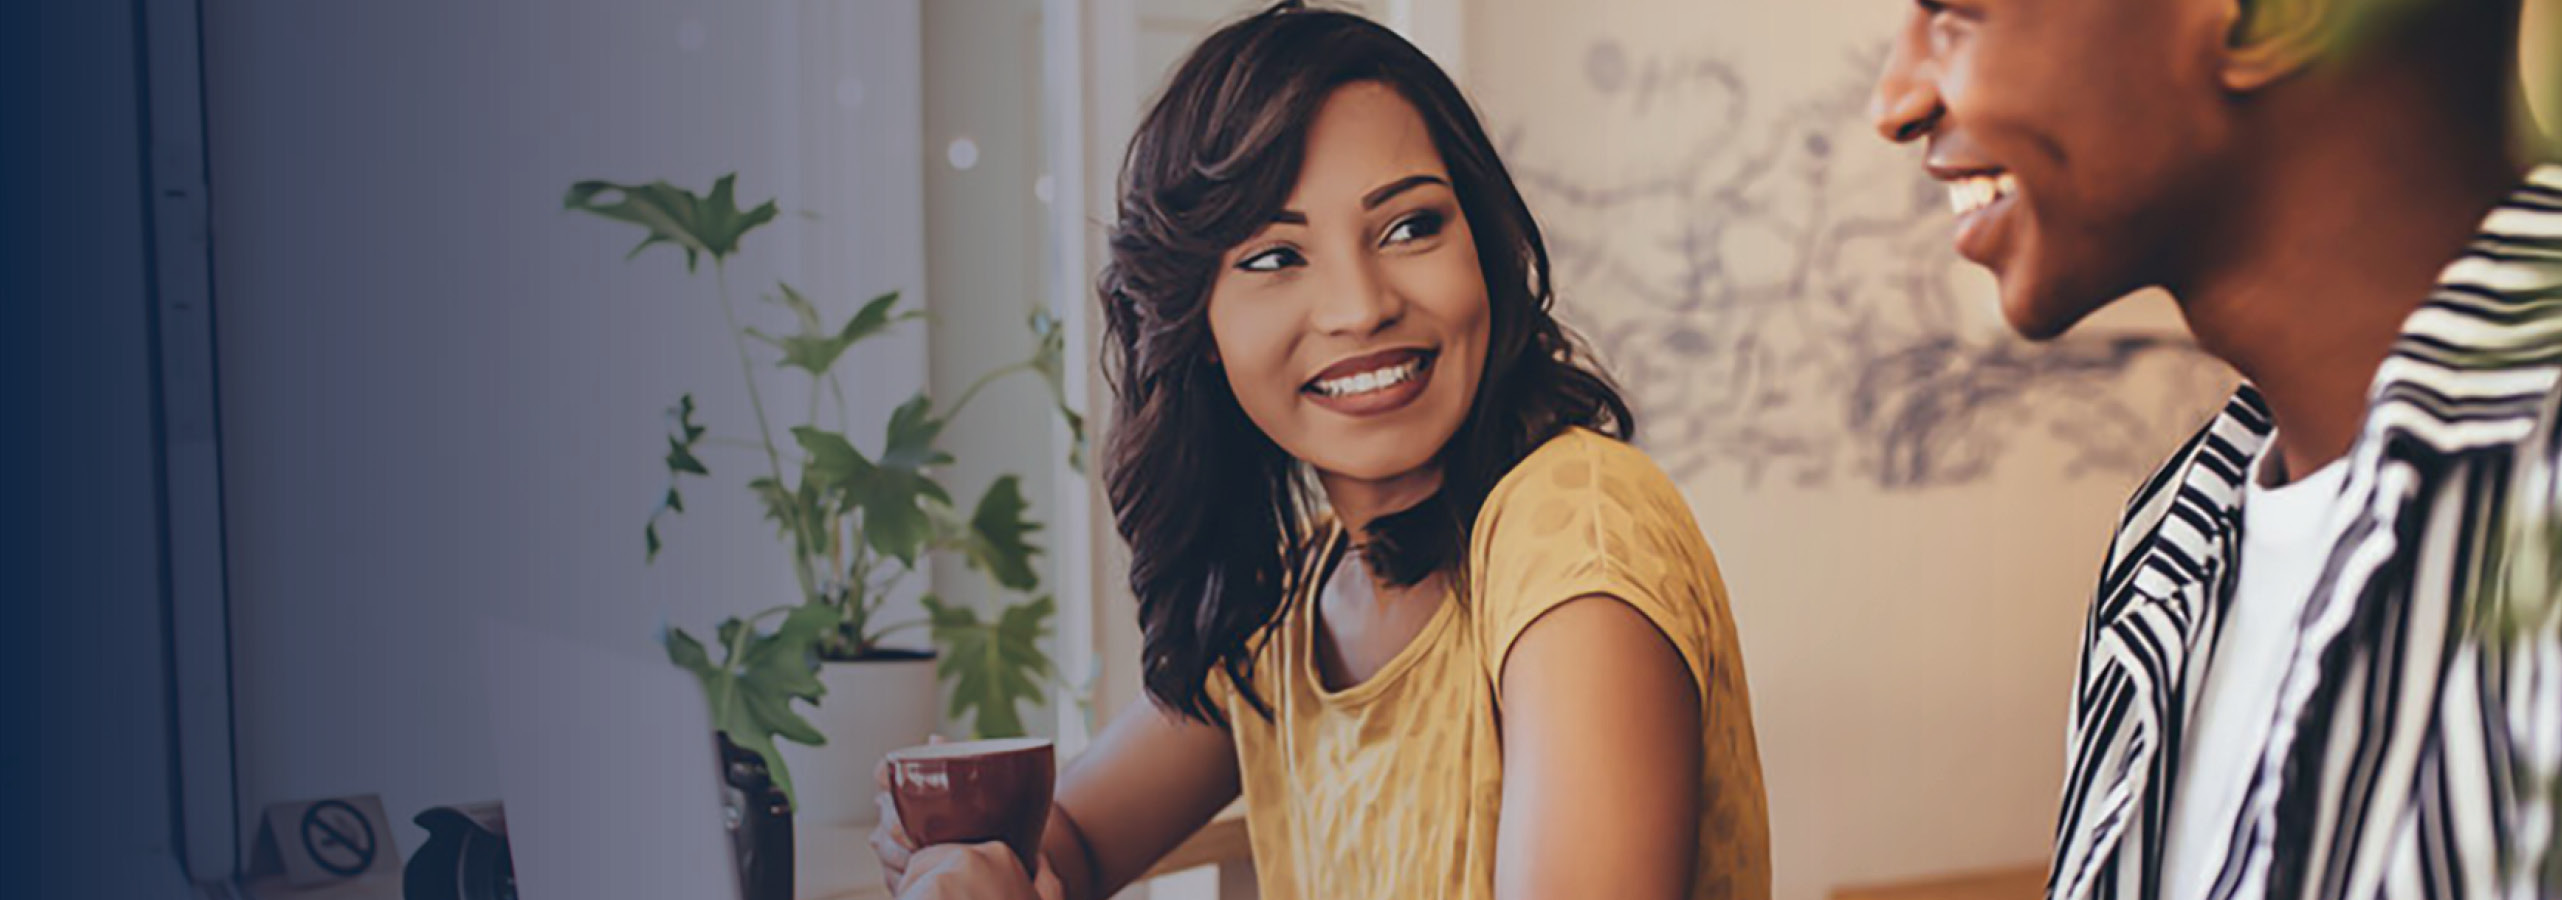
1392 788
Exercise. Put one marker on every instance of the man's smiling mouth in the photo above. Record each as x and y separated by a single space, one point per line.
1974 192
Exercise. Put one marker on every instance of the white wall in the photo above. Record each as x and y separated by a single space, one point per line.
442 393
1752 260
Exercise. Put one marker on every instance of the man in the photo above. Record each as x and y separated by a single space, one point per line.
2302 675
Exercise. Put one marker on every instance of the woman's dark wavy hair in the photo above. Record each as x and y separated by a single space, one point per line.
1216 514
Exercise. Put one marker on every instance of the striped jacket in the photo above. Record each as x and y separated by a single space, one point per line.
2419 725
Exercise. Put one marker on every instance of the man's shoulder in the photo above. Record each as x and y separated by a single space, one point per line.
2213 462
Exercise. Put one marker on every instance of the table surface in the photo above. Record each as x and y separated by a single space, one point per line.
2021 882
835 862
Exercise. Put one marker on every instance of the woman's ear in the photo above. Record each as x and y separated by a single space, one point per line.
2269 41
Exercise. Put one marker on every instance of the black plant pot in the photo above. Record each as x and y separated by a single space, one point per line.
760 824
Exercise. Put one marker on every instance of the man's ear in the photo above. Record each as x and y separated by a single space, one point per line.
2272 40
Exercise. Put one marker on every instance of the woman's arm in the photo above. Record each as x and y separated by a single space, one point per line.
1601 758
1148 782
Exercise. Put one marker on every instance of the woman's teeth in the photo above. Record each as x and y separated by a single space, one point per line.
1373 380
1967 195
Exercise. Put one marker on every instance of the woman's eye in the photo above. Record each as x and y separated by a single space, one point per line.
1272 260
1413 228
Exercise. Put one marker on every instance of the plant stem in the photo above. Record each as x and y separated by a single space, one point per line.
765 431
844 419
835 550
972 392
881 594
894 629
860 571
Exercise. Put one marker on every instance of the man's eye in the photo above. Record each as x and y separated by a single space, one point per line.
1272 260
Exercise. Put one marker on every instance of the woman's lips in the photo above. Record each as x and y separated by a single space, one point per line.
1372 384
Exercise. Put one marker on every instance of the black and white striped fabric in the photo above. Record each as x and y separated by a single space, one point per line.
2419 726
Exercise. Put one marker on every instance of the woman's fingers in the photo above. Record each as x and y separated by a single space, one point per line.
890 843
986 871
1047 883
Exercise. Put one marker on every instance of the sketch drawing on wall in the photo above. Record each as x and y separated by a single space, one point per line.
1778 293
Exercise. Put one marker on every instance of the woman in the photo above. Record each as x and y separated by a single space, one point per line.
1499 663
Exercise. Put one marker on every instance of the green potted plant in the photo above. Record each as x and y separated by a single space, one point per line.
857 525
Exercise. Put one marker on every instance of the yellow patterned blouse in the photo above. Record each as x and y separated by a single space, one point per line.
1393 787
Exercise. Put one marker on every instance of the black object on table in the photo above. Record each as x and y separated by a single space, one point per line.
466 856
759 817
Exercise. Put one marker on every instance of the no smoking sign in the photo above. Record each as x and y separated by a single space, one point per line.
338 838
321 841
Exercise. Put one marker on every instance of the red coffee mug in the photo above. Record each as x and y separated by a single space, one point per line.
969 792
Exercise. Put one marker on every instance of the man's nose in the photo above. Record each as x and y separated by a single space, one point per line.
1905 104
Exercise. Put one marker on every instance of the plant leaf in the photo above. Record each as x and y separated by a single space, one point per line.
781 506
682 435
833 464
751 691
876 316
1049 357
804 314
696 223
686 652
996 541
813 349
992 666
784 660
912 431
680 444
895 521
892 493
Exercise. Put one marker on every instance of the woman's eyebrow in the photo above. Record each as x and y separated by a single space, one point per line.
1399 186
1382 194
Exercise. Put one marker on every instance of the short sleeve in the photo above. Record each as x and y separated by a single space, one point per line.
1589 515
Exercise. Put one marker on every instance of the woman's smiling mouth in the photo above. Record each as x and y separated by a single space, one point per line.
1372 383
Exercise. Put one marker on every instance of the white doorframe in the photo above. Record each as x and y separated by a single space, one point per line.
1090 103
1437 26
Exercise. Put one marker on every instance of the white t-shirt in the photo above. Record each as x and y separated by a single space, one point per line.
2282 555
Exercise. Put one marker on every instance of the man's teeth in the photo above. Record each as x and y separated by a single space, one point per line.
1967 195
1373 380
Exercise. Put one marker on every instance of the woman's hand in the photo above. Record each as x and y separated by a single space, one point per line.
986 871
1147 782
889 839
952 871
